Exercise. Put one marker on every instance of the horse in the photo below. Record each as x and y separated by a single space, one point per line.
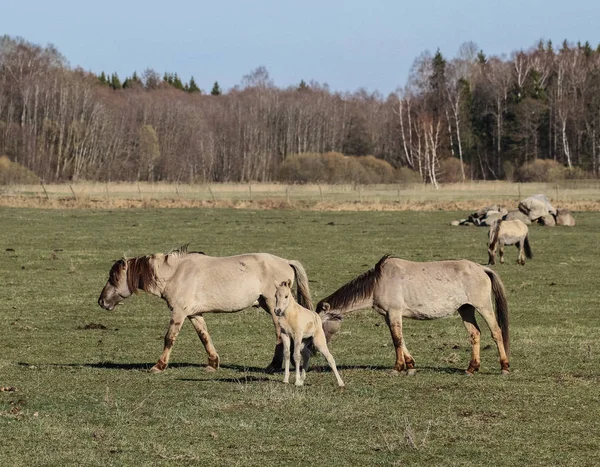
300 325
398 289
513 232
194 283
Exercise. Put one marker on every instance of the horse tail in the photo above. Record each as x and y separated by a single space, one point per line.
303 291
494 233
527 247
501 306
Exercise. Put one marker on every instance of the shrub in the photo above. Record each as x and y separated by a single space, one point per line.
509 171
450 170
406 175
333 167
13 172
542 170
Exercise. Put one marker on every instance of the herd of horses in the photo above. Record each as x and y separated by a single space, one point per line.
192 284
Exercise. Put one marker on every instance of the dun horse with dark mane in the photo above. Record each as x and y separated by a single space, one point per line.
513 232
404 289
193 284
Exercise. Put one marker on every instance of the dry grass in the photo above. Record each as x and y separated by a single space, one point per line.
574 195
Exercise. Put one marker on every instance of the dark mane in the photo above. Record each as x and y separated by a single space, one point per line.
140 274
357 289
115 272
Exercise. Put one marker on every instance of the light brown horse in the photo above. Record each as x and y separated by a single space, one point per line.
513 232
300 325
404 289
193 284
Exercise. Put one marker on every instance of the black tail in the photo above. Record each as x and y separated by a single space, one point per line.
527 247
501 306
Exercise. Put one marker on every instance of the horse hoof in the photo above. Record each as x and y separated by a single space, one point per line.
210 369
505 373
298 383
341 388
411 372
156 369
468 373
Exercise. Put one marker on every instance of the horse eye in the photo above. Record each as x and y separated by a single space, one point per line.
286 296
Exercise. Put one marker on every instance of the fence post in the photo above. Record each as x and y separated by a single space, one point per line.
287 194
211 193
107 193
398 187
321 193
360 193
250 190
556 194
140 191
73 191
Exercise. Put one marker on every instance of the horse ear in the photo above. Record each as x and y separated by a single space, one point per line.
276 284
326 306
289 283
283 284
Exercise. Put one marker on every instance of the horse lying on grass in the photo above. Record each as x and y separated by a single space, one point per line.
300 325
193 284
513 232
398 289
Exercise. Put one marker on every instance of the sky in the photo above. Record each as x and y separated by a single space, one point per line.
347 45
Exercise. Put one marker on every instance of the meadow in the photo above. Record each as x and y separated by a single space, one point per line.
83 394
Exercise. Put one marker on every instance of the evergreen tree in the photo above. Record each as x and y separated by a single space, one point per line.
102 78
192 87
481 58
115 82
303 86
177 84
216 89
437 83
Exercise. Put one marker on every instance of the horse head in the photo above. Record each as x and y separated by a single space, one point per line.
116 288
331 319
283 296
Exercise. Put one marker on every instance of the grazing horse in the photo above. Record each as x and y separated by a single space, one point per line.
300 325
398 289
513 232
193 284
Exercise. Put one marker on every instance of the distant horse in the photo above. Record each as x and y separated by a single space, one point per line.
300 325
398 289
513 232
193 284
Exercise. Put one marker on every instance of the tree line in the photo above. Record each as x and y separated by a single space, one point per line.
468 117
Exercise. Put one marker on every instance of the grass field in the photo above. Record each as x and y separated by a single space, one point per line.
85 397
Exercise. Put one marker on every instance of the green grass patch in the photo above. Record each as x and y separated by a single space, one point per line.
85 397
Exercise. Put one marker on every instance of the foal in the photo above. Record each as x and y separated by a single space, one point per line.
301 325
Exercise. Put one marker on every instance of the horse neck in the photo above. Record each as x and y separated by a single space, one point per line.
356 305
164 270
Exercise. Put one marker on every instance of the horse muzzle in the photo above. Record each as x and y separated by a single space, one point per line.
105 305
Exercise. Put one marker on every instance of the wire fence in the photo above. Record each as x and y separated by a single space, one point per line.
494 191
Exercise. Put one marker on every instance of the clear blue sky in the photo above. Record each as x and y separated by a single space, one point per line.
347 44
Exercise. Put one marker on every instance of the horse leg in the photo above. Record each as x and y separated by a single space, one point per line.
269 307
170 336
202 331
467 313
298 358
521 258
321 345
394 321
286 356
488 314
410 362
501 251
492 254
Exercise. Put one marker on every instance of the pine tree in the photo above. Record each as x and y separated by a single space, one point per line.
102 78
216 89
177 84
303 86
115 82
481 58
192 87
